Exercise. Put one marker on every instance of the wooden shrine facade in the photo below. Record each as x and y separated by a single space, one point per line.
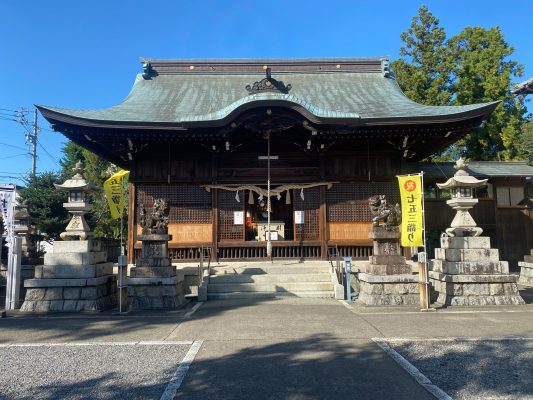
197 132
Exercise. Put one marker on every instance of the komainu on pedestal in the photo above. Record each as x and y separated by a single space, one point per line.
153 282
388 279
466 271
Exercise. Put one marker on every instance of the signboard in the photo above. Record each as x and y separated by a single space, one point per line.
7 205
238 217
273 235
299 217
412 223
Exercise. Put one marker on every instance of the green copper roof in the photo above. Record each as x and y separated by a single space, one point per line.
475 168
184 96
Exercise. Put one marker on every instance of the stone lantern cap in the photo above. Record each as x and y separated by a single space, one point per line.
77 182
462 178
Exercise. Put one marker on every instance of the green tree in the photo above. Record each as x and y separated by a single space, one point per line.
45 204
525 144
471 67
424 70
482 73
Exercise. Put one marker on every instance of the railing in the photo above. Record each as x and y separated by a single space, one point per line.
205 254
257 250
354 251
280 251
334 258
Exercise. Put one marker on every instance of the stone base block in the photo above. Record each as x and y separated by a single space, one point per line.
469 268
387 259
73 271
399 269
77 246
154 297
141 272
388 290
71 298
153 262
467 255
382 233
474 290
526 273
479 242
75 258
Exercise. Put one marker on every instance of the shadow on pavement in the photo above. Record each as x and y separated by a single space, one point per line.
319 367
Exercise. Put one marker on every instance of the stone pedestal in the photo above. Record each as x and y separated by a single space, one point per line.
388 279
75 277
467 272
153 282
526 270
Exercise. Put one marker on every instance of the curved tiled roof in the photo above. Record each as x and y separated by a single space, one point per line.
355 90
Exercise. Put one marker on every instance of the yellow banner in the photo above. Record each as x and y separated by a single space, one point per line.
114 190
412 223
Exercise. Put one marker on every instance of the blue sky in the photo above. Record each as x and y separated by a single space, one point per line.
85 54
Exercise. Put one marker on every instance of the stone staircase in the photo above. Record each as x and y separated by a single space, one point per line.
269 280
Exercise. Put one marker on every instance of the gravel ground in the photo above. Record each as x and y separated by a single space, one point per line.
129 371
474 369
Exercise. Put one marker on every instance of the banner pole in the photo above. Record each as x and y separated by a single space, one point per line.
426 272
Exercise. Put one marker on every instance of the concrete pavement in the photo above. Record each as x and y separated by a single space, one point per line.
281 348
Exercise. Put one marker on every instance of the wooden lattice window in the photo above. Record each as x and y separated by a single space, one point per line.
310 206
348 202
227 205
188 203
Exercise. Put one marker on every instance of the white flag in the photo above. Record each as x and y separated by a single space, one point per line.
7 198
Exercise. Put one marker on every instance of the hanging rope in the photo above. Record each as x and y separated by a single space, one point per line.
273 192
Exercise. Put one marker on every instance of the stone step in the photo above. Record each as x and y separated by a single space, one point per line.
269 278
266 287
268 295
271 269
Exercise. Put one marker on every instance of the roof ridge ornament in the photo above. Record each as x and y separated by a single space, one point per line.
268 84
148 71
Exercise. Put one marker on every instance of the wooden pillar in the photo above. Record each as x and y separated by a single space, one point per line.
214 224
322 224
132 226
322 217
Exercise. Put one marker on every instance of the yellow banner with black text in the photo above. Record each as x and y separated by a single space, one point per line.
114 190
412 219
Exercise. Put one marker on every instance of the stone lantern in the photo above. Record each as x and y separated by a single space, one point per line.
466 271
77 188
462 187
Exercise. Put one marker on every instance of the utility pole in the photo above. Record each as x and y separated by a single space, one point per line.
31 137
33 142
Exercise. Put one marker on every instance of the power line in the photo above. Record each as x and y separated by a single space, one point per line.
15 147
46 151
16 155
8 119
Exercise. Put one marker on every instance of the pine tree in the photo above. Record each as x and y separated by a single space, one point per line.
483 73
424 70
471 67
45 205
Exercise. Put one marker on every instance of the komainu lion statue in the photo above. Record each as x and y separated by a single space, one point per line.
157 221
381 210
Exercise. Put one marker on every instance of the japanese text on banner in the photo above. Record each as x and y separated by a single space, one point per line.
114 189
7 199
412 223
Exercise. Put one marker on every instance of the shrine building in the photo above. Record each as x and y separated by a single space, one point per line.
202 133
